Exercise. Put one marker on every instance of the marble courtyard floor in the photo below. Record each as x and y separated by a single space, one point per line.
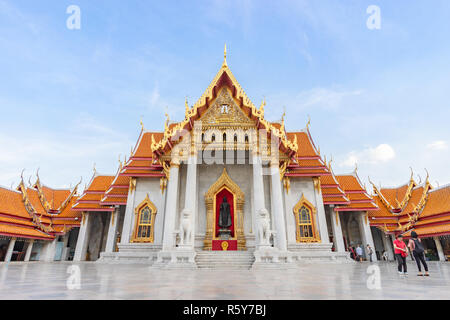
310 281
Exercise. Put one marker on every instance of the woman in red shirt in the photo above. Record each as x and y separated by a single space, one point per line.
401 252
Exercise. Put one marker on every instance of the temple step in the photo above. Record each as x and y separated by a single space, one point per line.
224 260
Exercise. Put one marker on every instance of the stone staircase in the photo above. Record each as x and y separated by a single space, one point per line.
224 259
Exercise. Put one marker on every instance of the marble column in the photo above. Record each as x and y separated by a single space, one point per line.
49 250
83 239
258 194
366 235
190 198
277 205
322 220
29 250
387 243
171 207
336 226
112 230
439 249
128 220
65 249
10 250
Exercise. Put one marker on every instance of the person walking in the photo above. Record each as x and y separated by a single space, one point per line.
401 252
369 252
417 249
359 253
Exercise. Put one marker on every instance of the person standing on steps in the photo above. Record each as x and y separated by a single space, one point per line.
401 252
417 249
369 252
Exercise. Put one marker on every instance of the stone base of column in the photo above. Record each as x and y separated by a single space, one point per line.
267 257
317 252
179 258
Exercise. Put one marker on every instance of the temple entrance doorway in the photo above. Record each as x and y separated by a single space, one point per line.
224 222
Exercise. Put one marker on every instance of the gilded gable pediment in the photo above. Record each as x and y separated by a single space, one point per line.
225 111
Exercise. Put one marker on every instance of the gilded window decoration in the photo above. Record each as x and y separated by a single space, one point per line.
145 221
305 222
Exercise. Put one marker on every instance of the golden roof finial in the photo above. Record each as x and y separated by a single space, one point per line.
331 160
120 162
356 167
186 113
261 107
94 169
308 124
166 125
142 124
412 174
225 56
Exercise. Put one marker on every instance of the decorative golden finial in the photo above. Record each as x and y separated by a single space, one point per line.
308 124
428 175
261 107
225 56
142 124
94 169
120 162
318 150
166 125
356 168
186 113
331 160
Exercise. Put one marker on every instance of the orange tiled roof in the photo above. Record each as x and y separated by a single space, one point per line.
360 200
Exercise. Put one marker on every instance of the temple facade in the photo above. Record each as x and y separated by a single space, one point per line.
226 187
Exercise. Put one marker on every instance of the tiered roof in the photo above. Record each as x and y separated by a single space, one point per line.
307 161
91 199
413 207
37 212
332 192
354 190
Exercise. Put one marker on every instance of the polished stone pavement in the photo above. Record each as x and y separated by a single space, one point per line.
310 281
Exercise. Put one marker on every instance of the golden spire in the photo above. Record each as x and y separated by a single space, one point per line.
95 170
225 56
186 113
308 124
261 108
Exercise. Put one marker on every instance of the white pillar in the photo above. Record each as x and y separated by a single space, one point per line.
258 192
127 227
277 205
112 230
439 249
9 252
387 243
191 195
171 207
49 250
366 234
29 250
65 249
83 239
338 238
322 220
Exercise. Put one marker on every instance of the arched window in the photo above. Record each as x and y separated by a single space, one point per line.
213 138
224 137
145 221
304 213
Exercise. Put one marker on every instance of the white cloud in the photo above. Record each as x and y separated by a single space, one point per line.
438 145
380 154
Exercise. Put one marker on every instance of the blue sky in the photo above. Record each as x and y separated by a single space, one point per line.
72 98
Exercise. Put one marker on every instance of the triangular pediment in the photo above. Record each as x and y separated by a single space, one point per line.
225 111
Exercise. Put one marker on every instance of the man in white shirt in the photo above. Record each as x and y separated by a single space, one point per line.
359 253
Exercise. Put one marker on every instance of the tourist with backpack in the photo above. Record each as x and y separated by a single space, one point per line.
418 250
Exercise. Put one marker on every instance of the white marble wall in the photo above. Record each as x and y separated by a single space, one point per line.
299 186
151 187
